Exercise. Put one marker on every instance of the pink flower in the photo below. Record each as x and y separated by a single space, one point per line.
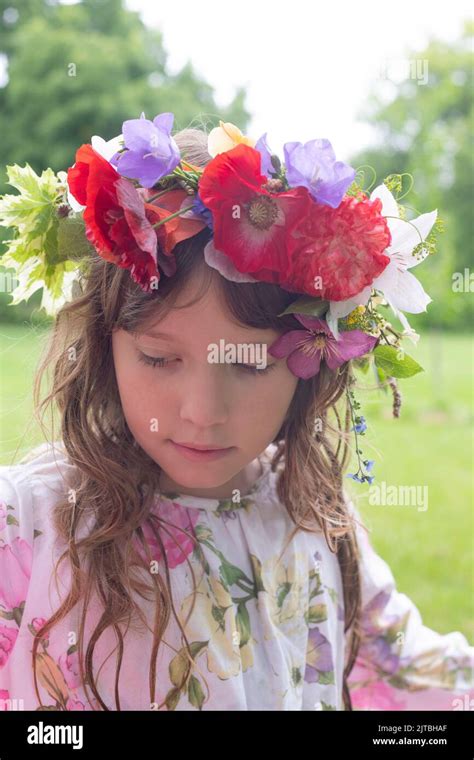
4 698
69 664
15 570
373 693
37 623
306 348
8 637
377 695
176 543
74 704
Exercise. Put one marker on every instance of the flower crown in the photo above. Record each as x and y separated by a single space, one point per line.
305 224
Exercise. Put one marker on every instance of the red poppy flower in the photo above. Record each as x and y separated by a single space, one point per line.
114 216
343 247
252 226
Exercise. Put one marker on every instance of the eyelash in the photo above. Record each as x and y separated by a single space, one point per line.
159 361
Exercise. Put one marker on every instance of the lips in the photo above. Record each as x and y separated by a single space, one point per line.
202 447
201 455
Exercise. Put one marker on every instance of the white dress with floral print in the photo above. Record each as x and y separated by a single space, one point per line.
266 631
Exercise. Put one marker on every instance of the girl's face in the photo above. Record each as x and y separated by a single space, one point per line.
197 397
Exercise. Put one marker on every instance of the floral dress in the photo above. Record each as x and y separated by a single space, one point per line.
266 631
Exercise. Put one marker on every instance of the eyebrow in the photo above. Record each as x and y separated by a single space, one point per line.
154 334
164 335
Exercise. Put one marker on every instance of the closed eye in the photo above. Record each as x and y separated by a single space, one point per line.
154 361
252 369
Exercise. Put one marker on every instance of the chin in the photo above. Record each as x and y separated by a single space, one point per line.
194 477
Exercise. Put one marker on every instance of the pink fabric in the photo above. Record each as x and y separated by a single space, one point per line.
267 631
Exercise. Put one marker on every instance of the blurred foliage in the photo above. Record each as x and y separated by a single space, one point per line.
426 129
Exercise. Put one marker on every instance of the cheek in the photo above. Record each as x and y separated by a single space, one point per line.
268 400
139 395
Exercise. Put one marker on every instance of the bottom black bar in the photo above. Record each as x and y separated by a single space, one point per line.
379 734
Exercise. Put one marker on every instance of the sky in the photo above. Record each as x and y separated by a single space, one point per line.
307 67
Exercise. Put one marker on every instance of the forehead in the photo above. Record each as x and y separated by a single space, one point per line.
207 319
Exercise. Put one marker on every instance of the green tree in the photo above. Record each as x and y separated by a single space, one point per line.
426 130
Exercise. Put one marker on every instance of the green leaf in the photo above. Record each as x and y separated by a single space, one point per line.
314 307
72 240
37 194
326 678
243 624
230 574
362 363
283 591
388 358
180 662
257 573
195 692
172 698
317 614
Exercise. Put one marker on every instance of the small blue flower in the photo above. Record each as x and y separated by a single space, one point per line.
360 427
354 476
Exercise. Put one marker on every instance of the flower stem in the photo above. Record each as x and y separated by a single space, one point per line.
172 216
349 398
157 195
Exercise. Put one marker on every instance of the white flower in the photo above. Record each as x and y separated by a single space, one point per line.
107 148
401 289
225 137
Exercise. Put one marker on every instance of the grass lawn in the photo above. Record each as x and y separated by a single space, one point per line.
430 552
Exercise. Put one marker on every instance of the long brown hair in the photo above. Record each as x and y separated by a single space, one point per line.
117 481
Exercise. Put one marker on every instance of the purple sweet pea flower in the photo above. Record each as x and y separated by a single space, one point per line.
375 617
379 652
262 146
306 348
151 151
318 657
314 166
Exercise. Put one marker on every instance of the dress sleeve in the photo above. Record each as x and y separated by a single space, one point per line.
402 664
16 551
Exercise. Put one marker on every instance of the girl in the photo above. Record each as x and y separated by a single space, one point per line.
186 542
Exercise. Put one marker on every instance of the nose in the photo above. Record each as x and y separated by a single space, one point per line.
205 401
